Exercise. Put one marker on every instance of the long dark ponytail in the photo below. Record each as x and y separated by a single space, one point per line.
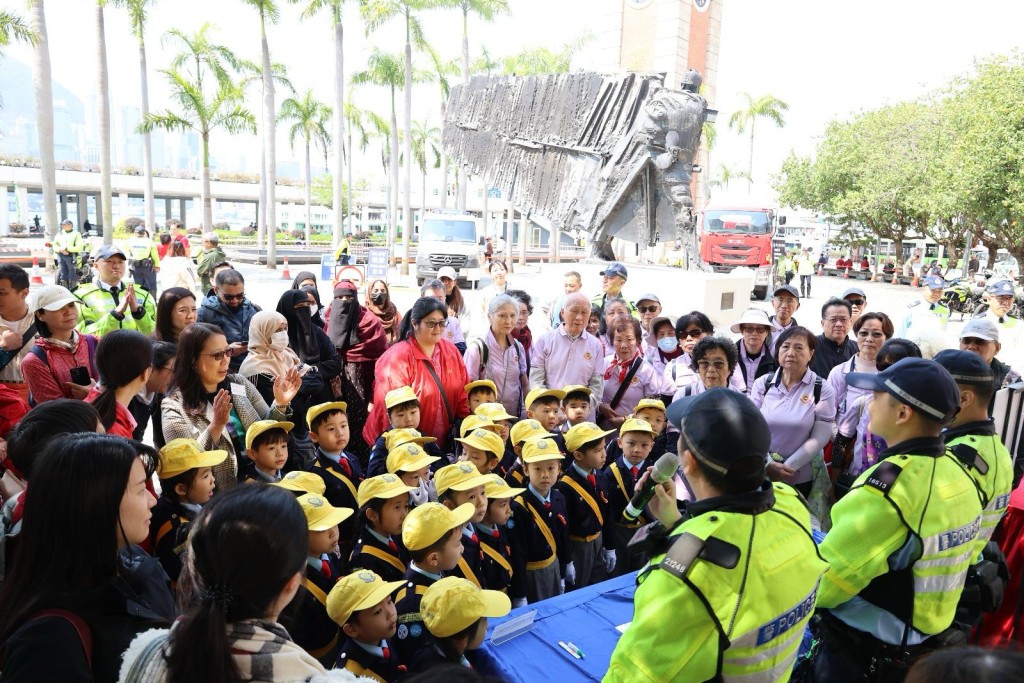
121 356
423 307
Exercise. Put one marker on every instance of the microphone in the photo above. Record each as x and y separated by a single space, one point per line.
664 468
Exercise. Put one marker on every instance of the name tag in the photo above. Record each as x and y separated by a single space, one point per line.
237 390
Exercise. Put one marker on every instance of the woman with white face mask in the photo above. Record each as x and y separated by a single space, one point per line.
664 347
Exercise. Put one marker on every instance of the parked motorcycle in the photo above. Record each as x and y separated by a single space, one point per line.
963 296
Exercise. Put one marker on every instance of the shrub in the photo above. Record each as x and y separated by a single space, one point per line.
221 226
247 231
16 227
195 230
297 234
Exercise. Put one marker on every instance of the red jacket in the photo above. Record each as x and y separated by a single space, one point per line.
1004 627
404 364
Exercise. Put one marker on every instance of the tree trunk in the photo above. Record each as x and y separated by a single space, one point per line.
393 188
44 114
147 141
444 160
340 151
462 178
261 209
207 205
103 88
407 151
269 146
309 197
348 159
750 166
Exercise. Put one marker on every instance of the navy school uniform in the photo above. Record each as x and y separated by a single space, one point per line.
169 532
508 460
306 617
621 482
663 443
378 463
248 473
586 500
342 480
376 662
496 567
385 557
411 635
531 542
470 566
515 477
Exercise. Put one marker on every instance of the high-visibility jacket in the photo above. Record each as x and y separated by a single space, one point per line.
97 310
343 247
143 249
901 541
731 596
979 448
70 241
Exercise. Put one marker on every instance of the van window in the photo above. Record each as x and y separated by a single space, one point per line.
448 230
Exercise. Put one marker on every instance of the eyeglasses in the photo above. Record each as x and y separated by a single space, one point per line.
696 334
974 341
217 355
865 334
647 309
836 321
857 302
753 329
716 364
434 324
232 297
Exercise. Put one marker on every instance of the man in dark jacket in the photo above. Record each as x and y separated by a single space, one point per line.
834 345
229 309
211 256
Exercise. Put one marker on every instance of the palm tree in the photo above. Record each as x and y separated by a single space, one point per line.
43 91
137 10
485 64
14 28
310 117
385 69
727 174
334 7
765 107
269 12
103 87
426 145
203 106
375 13
443 71
542 60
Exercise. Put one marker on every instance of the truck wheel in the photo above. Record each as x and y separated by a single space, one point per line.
761 293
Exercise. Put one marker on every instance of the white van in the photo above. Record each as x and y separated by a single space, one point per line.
449 239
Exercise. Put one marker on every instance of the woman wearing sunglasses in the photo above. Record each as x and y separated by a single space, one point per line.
871 330
680 373
714 360
215 407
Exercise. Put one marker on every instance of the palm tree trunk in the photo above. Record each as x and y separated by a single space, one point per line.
444 160
106 209
147 141
750 166
407 145
207 205
393 187
44 113
309 196
348 159
261 208
269 146
462 180
340 152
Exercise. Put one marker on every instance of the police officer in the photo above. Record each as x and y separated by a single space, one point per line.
928 314
145 262
68 244
341 255
902 539
737 566
110 304
999 297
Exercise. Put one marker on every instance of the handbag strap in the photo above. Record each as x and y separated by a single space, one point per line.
617 398
440 387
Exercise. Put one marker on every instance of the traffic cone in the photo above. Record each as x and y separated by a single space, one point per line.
874 276
37 278
285 275
895 279
821 270
846 273
915 283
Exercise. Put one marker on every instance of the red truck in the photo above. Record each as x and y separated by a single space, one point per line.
737 235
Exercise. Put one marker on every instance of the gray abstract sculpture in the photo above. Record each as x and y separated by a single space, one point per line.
608 155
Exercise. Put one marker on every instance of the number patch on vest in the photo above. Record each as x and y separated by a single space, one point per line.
779 625
884 476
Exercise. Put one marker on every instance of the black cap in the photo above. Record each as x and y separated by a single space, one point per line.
724 430
966 367
919 383
788 289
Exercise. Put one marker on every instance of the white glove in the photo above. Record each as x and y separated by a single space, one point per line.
609 560
418 495
430 489
570 573
518 602
561 586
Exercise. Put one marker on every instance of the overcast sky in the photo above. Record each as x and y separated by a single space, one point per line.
826 58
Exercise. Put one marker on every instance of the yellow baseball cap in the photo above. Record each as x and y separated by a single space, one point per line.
302 482
409 458
539 450
181 455
460 476
584 432
428 522
316 410
263 426
496 487
396 437
362 589
453 604
321 515
471 422
542 392
635 424
381 486
481 384
577 388
655 403
485 440
494 412
397 397
526 429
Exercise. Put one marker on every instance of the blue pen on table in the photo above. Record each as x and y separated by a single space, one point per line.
576 650
570 650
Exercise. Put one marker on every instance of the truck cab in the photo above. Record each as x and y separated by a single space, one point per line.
449 239
732 236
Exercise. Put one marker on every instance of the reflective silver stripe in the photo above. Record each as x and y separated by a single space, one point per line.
940 584
766 653
781 667
973 379
951 538
946 561
913 401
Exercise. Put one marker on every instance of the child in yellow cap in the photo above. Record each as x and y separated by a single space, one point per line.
186 484
496 566
652 411
383 507
410 463
481 391
521 432
341 471
544 405
502 420
539 534
636 438
462 484
432 535
300 483
576 405
266 448
586 497
484 449
362 605
403 406
456 612
306 619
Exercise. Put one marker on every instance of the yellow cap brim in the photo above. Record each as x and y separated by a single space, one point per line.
206 459
386 494
380 592
332 518
505 493
471 483
589 438
481 383
286 426
541 457
417 465
463 514
496 604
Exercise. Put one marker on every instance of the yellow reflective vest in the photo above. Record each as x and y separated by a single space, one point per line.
978 447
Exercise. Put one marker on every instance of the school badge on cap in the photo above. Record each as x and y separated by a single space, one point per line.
366 577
